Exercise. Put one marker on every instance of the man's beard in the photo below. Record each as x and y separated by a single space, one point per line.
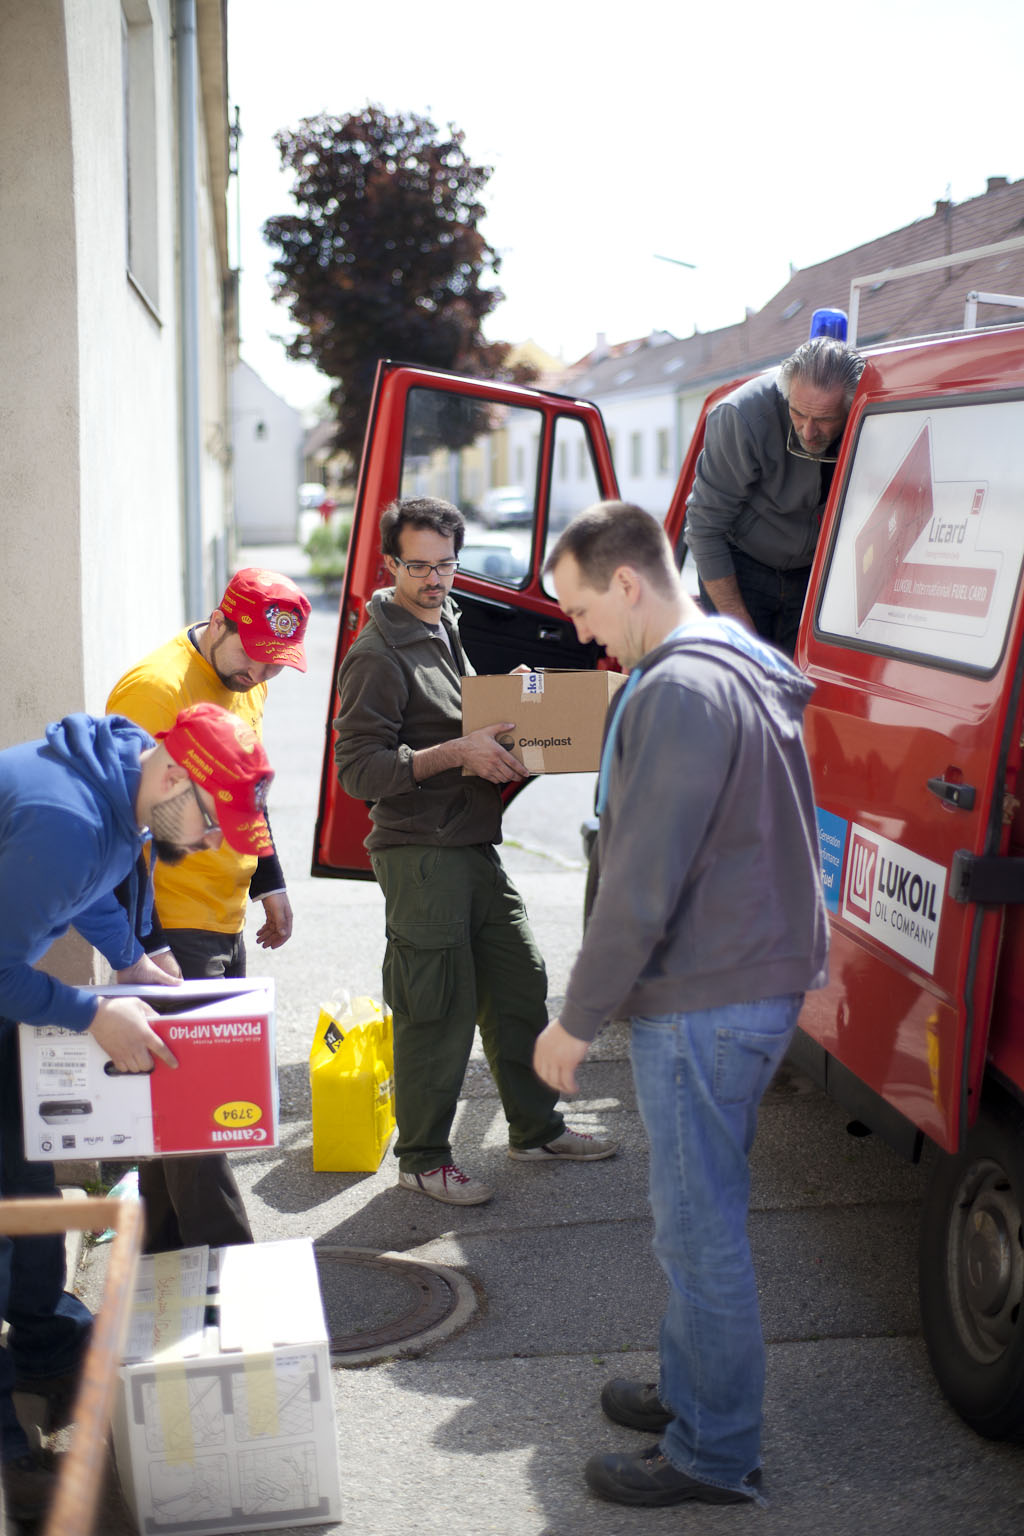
166 823
167 852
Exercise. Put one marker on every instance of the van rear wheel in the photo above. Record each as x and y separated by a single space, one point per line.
972 1273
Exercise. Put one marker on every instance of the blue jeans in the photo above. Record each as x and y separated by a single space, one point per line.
49 1328
699 1079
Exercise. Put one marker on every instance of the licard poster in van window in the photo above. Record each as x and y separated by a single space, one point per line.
930 540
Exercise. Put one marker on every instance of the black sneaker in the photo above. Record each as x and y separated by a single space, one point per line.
30 1482
649 1478
635 1404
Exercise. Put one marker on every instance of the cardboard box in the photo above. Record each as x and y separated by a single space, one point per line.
223 1094
559 716
224 1419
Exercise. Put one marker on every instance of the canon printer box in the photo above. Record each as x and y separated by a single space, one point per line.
222 1095
559 716
224 1419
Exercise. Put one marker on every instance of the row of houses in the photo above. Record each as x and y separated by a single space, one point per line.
651 390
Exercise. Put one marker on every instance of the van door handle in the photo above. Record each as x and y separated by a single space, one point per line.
543 633
962 796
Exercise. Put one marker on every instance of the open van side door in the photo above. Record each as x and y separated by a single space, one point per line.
518 463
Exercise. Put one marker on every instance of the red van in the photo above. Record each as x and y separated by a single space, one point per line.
912 635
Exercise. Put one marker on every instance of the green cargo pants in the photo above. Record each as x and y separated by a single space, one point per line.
460 954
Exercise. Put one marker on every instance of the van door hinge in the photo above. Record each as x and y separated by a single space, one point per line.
988 880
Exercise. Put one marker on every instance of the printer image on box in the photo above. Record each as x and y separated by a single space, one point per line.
222 1095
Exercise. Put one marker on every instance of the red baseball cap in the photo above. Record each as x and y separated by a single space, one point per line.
225 756
271 613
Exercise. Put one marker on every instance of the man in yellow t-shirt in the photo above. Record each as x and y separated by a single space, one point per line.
199 917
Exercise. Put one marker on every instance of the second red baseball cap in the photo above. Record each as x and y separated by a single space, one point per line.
225 756
271 613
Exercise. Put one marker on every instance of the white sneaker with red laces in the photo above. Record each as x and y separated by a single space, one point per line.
447 1184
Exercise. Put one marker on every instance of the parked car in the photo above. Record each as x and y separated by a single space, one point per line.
506 506
489 555
311 494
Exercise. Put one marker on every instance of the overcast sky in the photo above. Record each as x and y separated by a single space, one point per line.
737 136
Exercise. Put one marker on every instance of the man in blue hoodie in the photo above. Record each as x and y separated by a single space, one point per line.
76 809
708 927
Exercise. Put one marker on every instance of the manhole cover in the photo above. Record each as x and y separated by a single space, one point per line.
373 1301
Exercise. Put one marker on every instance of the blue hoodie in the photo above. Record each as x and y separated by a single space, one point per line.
68 836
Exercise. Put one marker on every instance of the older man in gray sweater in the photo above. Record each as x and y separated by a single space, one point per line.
761 484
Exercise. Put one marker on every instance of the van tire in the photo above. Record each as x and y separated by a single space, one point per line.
971 1273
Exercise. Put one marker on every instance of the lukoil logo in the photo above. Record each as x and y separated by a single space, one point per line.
861 878
895 894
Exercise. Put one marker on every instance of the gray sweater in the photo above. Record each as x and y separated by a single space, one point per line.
710 888
748 491
400 690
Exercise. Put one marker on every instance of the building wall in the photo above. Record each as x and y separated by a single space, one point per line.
267 437
39 383
130 488
91 516
91 504
647 453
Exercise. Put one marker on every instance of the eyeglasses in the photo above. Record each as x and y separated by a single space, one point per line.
209 825
419 568
793 447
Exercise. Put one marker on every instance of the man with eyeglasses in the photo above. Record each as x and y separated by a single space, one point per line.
761 484
460 952
76 809
255 632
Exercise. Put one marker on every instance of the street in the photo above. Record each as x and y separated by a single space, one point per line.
486 1433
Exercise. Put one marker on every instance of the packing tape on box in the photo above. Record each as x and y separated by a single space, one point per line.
533 685
533 759
261 1394
174 1411
172 1400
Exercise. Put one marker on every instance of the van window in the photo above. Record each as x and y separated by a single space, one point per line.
569 496
929 542
482 457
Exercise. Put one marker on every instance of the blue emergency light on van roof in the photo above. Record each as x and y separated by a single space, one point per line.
828 322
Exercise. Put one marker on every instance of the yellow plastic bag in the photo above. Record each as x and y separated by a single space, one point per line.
352 1078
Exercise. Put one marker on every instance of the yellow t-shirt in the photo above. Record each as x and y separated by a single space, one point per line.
207 889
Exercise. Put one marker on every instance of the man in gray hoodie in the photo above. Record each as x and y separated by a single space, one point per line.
460 951
708 927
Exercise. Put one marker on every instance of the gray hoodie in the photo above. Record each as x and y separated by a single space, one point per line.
710 887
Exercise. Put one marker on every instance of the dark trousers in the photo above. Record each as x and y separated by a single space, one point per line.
774 599
193 1200
48 1327
460 954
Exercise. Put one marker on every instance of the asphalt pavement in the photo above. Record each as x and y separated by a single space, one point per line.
485 1432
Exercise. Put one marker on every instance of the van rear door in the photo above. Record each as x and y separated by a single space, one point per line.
519 463
913 638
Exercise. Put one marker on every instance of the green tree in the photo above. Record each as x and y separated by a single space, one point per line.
384 257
